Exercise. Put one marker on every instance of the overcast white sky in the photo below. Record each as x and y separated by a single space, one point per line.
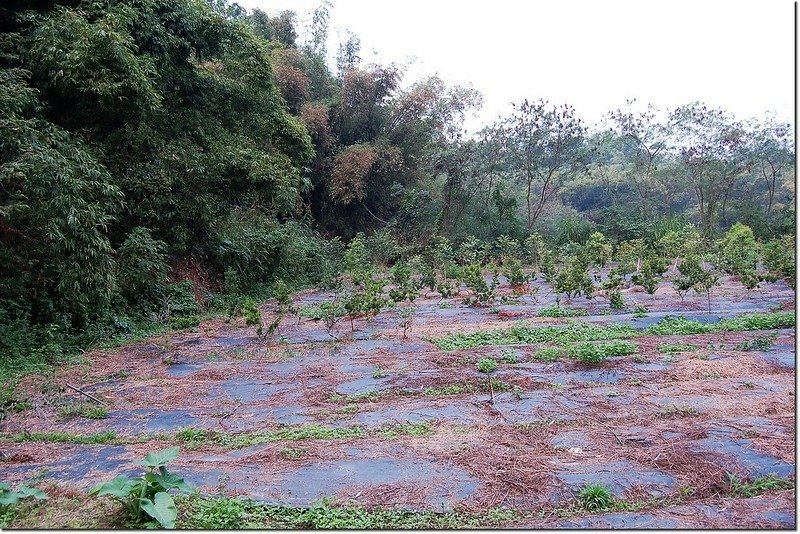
592 54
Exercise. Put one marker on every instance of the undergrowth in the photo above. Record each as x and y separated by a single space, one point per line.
240 513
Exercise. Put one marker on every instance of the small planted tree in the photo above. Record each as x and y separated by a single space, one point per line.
779 258
471 251
690 270
694 277
632 252
356 260
738 254
677 244
443 256
738 250
612 286
573 278
488 366
705 283
598 250
364 301
649 276
406 287
406 319
534 250
483 293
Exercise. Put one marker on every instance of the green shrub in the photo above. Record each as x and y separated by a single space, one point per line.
142 270
587 353
252 315
486 365
595 353
618 348
758 321
678 326
615 300
319 311
595 498
181 301
760 343
738 250
181 323
9 402
508 356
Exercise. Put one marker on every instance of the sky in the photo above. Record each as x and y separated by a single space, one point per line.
592 54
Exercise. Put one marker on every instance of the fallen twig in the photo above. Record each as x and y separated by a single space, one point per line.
229 414
86 394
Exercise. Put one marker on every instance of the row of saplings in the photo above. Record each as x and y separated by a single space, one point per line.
693 265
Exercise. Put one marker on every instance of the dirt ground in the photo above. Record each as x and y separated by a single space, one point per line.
663 429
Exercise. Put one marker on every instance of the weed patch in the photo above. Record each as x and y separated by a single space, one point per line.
581 331
760 343
561 311
234 513
758 486
62 437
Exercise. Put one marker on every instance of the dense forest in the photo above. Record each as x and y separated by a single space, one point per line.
162 159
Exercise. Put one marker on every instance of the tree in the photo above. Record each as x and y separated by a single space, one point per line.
779 258
572 278
738 251
283 29
710 146
56 203
318 30
348 57
646 142
769 146
542 144
598 249
649 275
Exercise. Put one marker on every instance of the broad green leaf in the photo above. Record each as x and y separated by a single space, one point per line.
161 508
160 458
10 497
119 487
5 486
27 491
169 480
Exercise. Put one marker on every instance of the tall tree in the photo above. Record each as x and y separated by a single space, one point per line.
543 143
709 145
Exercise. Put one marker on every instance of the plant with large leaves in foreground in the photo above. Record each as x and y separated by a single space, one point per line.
147 496
10 497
